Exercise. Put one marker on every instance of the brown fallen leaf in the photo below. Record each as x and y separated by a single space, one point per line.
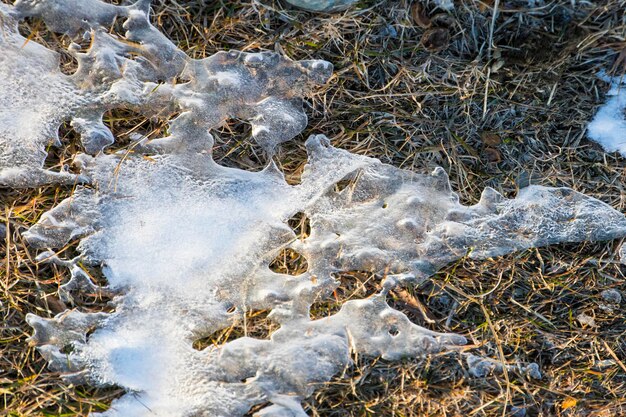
436 39
568 403
490 138
420 15
492 155
484 5
54 304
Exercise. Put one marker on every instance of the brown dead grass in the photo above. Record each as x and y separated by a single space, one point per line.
504 116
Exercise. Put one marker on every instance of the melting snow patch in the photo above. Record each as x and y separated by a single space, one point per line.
608 127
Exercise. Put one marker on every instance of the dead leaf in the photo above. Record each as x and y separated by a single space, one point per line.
569 403
490 138
492 155
420 15
586 320
55 304
484 5
436 39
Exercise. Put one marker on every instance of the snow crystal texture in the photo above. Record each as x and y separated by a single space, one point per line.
186 244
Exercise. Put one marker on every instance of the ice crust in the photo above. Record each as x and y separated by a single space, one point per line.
140 74
327 6
183 240
186 244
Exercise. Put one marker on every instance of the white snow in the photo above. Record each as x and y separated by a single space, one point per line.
608 127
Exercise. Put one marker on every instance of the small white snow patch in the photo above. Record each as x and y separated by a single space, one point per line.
608 127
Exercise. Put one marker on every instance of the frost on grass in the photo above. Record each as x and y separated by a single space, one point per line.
608 127
186 244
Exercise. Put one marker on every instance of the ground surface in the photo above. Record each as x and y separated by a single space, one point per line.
503 116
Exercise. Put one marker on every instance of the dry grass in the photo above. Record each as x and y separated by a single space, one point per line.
391 98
